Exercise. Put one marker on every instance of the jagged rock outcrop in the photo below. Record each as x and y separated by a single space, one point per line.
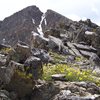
19 25
42 41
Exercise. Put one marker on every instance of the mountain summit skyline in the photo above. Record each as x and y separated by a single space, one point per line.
22 24
75 10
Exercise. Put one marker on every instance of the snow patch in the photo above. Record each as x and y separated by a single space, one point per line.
33 21
40 26
45 21
89 33
34 33
3 40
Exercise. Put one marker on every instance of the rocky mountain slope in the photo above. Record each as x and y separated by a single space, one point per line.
46 56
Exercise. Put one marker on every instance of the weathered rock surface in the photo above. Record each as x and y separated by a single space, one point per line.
34 65
42 54
38 35
55 43
39 41
20 25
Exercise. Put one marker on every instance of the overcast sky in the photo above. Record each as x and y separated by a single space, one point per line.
73 9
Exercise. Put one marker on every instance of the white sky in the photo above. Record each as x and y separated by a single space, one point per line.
73 9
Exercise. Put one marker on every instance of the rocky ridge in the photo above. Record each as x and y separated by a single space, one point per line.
31 42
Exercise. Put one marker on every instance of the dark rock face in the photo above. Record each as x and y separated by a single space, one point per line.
19 25
54 19
35 67
45 40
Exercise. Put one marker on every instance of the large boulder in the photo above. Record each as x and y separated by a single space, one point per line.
22 52
42 54
90 36
55 43
4 95
39 41
33 65
94 60
74 49
3 46
52 32
44 91
15 79
8 72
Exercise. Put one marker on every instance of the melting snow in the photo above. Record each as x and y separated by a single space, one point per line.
40 26
34 33
4 40
89 33
45 21
33 21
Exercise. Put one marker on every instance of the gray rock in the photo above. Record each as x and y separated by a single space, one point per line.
3 46
85 47
73 48
44 91
39 41
65 50
11 69
8 72
20 25
4 95
34 66
3 60
16 80
70 59
58 77
52 32
22 52
90 36
13 95
42 54
86 54
55 43
94 60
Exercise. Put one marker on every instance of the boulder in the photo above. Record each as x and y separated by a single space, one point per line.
85 47
3 60
33 65
52 32
94 60
86 54
4 95
22 52
8 72
3 46
90 36
68 36
55 43
73 48
70 59
59 77
90 24
65 50
42 54
39 41
44 91
16 80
